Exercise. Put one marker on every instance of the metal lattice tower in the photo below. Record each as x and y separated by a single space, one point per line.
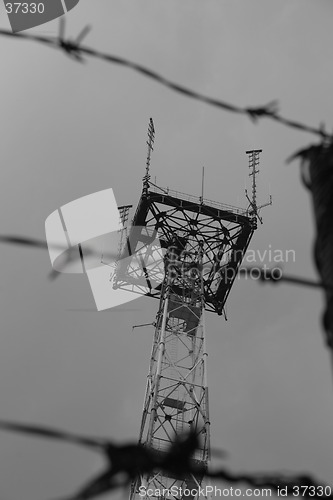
204 243
177 395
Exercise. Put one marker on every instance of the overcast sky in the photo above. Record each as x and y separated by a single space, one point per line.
70 129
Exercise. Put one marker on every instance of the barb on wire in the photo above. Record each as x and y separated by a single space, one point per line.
276 275
72 48
36 243
76 50
127 462
271 109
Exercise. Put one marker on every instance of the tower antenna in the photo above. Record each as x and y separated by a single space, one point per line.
150 143
202 185
253 164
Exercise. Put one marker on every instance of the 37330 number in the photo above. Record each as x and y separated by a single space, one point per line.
24 8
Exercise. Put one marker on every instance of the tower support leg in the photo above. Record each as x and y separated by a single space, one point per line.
176 399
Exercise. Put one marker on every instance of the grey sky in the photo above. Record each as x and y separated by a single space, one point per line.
70 129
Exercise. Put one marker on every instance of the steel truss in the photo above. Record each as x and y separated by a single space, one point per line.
223 232
204 245
177 395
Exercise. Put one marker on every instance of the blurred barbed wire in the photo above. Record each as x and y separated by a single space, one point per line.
127 462
317 176
261 274
276 275
74 49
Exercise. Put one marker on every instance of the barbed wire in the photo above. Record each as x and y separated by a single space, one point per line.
125 463
276 275
317 177
71 252
75 50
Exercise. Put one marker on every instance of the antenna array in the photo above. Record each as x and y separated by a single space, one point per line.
253 164
150 143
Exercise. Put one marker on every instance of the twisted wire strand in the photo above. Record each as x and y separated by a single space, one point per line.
77 51
130 460
276 276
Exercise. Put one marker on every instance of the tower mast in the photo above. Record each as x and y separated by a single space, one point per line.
176 398
204 245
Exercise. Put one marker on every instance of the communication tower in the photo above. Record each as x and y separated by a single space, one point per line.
204 243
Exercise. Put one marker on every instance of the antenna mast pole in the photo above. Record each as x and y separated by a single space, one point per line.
150 143
253 164
202 184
